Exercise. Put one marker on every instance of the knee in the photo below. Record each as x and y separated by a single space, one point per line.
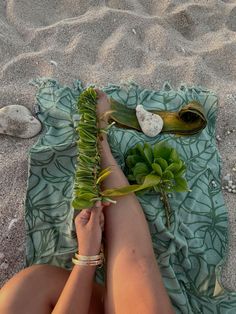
21 280
25 280
25 276
22 287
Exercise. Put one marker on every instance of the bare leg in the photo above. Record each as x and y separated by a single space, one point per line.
133 283
36 290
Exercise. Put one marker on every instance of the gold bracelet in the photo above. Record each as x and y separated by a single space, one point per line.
85 260
89 258
87 263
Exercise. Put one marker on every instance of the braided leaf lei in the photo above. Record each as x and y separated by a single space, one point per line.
88 173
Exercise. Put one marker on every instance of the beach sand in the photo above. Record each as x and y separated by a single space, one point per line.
104 41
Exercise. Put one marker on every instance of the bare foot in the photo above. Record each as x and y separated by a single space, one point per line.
103 108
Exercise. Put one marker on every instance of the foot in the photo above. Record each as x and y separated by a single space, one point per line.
103 108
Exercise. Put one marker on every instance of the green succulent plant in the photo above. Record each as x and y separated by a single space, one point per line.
160 164
160 161
158 168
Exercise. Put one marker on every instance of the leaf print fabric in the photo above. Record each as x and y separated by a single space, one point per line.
190 253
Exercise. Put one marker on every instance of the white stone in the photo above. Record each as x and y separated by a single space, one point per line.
150 123
18 121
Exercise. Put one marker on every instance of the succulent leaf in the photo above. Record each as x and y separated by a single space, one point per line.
174 157
81 203
151 180
181 185
167 174
161 150
162 162
157 169
174 167
140 168
148 153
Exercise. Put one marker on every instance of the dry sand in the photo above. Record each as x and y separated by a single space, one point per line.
104 41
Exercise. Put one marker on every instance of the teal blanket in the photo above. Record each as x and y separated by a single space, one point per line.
190 252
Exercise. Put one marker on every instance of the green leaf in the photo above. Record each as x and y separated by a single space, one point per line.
174 167
162 162
79 203
140 168
181 185
157 169
167 174
132 160
89 117
148 153
162 150
103 176
87 189
87 160
131 177
151 180
139 178
174 156
86 135
133 151
181 171
87 179
104 171
139 149
87 196
83 173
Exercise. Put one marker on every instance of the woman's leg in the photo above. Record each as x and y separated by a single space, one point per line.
36 289
133 283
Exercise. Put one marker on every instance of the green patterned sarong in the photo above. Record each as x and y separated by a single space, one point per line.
191 251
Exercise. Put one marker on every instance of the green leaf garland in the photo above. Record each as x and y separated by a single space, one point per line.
88 173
